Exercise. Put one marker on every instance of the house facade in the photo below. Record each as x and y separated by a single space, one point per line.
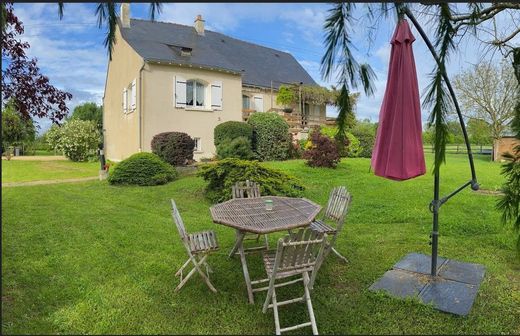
168 77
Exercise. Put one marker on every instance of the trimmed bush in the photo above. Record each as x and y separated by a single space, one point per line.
176 148
143 169
225 173
323 153
231 130
271 137
239 148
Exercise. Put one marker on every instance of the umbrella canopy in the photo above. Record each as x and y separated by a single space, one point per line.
398 150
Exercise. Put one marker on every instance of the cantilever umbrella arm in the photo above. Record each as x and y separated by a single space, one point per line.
438 202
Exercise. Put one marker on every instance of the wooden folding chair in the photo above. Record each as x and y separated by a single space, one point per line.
198 245
336 211
301 255
250 189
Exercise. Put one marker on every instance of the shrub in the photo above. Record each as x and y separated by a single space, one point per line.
239 148
366 143
144 169
225 173
323 153
78 139
351 147
270 136
231 130
176 148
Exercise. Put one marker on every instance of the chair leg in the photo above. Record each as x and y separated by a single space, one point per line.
307 295
203 275
339 255
275 313
266 242
179 272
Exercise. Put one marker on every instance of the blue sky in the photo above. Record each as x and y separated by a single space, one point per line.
71 52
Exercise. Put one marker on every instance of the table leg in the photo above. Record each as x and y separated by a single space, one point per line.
239 237
240 246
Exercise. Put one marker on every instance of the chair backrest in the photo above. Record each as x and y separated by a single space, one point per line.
178 221
337 206
247 189
299 252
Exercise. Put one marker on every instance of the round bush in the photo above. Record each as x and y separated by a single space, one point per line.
231 130
271 138
239 148
144 169
176 148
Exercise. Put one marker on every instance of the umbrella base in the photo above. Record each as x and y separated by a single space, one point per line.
453 290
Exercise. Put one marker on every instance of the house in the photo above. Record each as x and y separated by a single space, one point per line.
171 77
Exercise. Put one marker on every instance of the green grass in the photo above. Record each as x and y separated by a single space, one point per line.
92 258
24 171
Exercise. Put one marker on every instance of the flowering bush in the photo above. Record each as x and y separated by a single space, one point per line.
78 139
323 153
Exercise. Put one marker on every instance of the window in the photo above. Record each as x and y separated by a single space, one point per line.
195 93
129 98
246 102
259 103
198 145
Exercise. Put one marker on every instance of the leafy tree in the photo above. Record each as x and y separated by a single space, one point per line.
450 24
22 82
455 135
78 139
479 132
89 111
487 92
15 130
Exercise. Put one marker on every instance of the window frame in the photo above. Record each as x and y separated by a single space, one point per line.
198 145
194 94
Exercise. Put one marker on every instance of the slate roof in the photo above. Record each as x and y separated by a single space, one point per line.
162 41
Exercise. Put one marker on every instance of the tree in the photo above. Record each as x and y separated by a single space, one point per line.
15 129
509 204
455 135
89 111
487 93
451 24
22 82
479 132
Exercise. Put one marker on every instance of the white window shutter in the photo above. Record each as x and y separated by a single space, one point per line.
125 100
179 95
134 95
216 95
259 103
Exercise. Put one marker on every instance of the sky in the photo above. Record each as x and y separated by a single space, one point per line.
71 51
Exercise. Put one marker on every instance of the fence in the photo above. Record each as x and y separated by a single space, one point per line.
461 149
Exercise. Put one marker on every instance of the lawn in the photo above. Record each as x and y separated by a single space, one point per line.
92 258
24 171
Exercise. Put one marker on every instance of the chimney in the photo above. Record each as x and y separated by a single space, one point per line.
199 25
125 15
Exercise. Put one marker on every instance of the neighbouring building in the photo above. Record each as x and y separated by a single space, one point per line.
171 77
503 145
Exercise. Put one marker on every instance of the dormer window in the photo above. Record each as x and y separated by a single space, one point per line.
186 51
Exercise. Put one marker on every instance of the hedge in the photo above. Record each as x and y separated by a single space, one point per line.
271 138
231 130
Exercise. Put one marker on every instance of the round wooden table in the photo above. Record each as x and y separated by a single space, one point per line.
251 215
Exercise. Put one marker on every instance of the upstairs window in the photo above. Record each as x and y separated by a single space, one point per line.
246 102
195 93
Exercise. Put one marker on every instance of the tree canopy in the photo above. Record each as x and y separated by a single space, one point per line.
89 111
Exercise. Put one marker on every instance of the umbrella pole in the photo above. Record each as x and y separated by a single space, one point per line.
436 203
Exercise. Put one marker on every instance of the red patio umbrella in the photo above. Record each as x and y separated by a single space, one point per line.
398 150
